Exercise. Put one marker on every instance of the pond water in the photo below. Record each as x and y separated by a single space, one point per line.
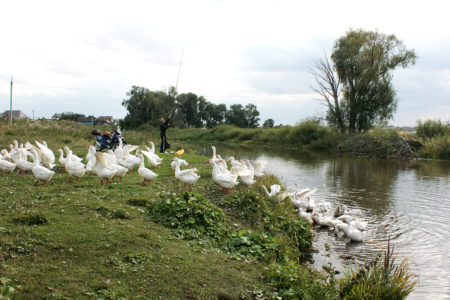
408 201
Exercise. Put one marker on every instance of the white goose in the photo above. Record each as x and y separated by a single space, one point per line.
305 193
249 179
187 176
174 162
74 169
5 154
156 160
237 167
146 174
40 172
6 166
274 190
62 160
118 152
225 181
153 159
305 215
113 164
215 158
22 164
351 232
259 166
320 219
129 161
70 155
100 167
47 156
90 158
15 153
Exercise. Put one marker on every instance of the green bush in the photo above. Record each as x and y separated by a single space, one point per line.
432 128
436 148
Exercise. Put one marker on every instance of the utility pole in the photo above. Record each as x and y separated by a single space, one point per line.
10 103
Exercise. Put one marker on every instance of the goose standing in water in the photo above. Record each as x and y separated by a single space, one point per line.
350 231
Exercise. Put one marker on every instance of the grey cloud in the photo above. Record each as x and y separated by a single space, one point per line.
141 40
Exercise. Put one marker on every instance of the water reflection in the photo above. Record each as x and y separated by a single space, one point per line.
406 201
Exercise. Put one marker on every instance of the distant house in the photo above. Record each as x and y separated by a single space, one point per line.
86 121
56 116
16 114
105 120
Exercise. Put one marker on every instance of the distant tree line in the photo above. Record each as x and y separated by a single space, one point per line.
186 110
70 116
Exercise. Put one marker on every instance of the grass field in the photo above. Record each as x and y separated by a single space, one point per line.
128 241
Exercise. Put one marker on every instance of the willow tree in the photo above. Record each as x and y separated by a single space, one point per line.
362 63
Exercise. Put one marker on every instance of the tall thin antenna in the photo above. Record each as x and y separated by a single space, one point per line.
179 70
10 103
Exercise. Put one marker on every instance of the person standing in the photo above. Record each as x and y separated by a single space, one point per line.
163 127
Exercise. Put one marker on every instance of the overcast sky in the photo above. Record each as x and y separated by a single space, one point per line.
83 56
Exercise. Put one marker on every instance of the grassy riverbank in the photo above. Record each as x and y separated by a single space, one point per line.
125 240
309 136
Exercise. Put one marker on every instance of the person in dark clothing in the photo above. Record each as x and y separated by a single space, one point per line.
163 127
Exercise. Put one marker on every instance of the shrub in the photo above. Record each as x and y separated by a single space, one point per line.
432 128
437 148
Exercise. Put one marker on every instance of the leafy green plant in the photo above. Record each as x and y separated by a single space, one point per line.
247 243
192 216
290 280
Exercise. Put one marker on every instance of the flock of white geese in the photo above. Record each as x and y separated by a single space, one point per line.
115 164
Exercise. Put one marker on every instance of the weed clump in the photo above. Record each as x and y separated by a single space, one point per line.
381 279
32 219
138 202
113 214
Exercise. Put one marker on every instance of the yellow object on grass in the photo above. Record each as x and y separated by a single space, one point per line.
179 152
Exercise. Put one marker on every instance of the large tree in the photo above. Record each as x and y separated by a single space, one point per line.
251 116
140 105
215 114
358 81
